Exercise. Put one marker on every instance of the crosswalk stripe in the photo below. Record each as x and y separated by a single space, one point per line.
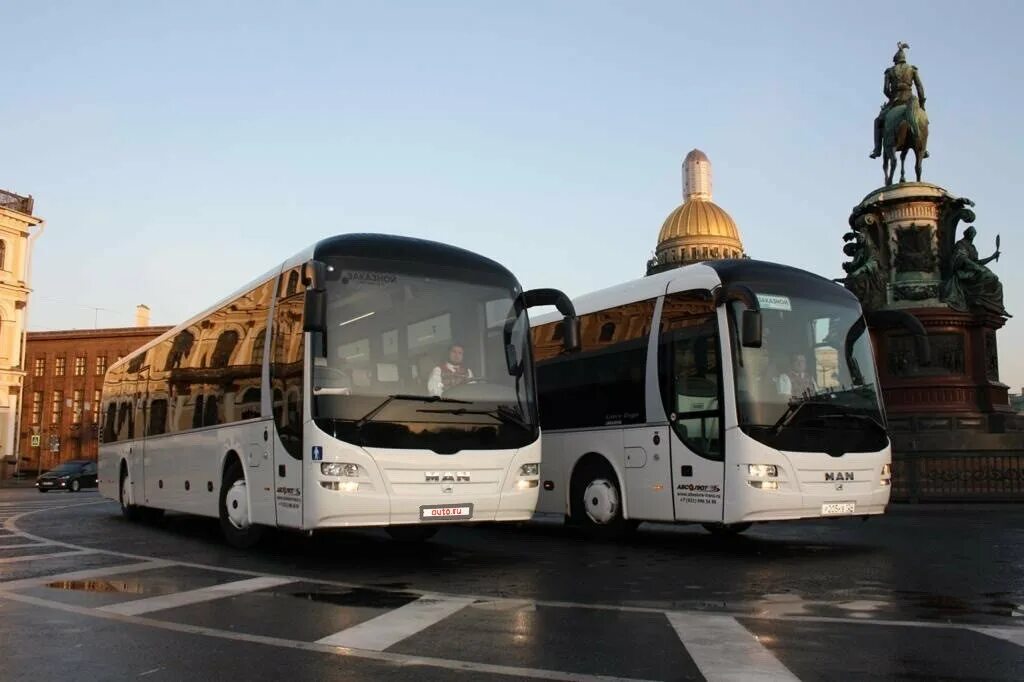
1015 635
392 627
169 601
87 574
724 650
53 555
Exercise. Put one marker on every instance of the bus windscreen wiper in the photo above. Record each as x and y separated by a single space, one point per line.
405 396
855 417
501 413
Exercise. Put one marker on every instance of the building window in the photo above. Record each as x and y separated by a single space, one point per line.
96 398
3 255
56 407
76 407
40 366
58 367
37 407
80 366
101 365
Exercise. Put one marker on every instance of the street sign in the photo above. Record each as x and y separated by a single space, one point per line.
36 440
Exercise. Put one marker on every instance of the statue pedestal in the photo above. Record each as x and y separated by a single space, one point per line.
954 434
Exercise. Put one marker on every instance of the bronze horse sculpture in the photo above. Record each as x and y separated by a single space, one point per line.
906 128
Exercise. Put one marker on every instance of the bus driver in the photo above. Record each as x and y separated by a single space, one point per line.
449 374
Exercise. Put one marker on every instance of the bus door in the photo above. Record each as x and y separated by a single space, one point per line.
287 373
690 376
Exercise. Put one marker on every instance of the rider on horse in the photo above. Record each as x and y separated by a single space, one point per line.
900 80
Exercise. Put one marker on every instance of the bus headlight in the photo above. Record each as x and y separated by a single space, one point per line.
529 470
886 475
339 469
762 470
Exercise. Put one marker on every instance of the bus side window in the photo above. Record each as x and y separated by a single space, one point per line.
690 373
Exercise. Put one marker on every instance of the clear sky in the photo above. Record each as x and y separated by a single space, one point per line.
178 149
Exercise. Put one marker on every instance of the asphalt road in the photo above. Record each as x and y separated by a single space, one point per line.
922 593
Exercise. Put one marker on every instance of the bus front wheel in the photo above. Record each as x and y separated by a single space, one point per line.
235 521
596 503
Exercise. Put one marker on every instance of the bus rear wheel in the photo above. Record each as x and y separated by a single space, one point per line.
235 521
596 503
412 534
726 529
130 511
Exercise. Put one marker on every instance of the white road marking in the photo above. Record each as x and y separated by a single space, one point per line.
11 525
53 555
402 660
88 574
170 601
1015 635
725 650
392 627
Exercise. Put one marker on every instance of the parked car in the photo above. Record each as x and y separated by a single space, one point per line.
72 476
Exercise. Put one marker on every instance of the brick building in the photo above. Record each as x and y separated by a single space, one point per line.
64 376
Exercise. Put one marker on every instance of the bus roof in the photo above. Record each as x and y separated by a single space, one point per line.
360 244
707 274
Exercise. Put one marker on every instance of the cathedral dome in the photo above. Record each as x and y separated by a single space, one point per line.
699 218
698 229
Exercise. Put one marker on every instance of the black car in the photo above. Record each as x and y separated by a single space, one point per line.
73 476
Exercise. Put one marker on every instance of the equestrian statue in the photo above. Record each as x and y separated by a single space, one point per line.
902 123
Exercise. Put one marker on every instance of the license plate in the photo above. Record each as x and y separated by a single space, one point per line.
446 512
833 508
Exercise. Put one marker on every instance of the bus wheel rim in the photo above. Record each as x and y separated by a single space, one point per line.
125 491
601 501
237 503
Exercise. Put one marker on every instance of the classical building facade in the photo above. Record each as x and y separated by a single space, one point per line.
65 371
18 230
698 229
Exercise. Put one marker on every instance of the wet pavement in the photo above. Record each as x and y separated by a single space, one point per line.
922 593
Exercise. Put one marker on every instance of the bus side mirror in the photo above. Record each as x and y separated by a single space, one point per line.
571 334
314 313
751 328
570 323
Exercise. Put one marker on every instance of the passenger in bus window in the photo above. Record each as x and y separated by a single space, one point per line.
797 381
451 373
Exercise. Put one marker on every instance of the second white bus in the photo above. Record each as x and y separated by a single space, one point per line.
721 393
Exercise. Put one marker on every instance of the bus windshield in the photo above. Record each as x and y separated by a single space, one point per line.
811 386
423 356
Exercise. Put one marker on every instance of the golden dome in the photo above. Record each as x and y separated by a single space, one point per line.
698 230
696 219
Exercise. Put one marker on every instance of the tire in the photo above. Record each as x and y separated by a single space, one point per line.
75 486
235 523
596 502
130 511
412 534
726 530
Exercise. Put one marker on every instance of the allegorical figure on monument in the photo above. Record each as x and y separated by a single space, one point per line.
970 283
865 277
898 85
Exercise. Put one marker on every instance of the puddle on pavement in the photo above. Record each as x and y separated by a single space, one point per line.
107 586
372 599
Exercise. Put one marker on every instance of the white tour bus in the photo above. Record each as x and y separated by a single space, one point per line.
754 399
328 393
